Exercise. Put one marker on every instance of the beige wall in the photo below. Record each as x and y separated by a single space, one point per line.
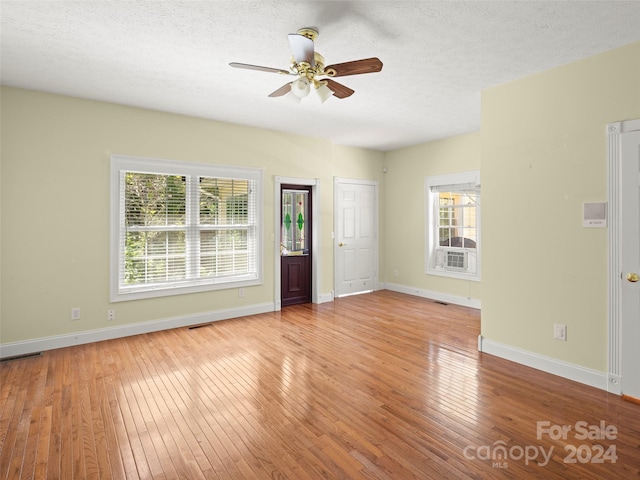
541 152
543 155
55 204
404 211
361 164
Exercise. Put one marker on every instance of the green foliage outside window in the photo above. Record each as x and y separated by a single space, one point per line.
156 234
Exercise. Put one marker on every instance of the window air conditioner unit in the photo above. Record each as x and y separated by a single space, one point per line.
456 259
452 259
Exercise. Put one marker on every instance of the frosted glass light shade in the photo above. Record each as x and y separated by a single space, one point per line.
324 93
300 87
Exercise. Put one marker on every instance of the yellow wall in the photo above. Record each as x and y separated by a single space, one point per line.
404 210
55 204
541 152
543 155
361 164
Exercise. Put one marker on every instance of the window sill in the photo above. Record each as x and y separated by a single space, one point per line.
473 277
168 292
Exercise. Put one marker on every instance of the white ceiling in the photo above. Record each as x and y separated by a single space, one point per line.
173 56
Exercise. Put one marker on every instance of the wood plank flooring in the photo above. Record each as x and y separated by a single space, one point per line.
377 386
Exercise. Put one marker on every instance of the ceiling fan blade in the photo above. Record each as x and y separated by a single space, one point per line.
339 90
302 48
356 67
259 68
283 90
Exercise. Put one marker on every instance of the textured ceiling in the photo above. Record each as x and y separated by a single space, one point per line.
173 56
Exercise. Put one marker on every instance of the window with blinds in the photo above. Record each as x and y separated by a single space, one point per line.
453 224
183 227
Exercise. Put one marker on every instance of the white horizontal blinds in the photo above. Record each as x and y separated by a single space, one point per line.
227 227
181 227
458 187
186 230
155 229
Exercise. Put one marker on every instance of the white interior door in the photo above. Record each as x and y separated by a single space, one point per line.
356 236
630 249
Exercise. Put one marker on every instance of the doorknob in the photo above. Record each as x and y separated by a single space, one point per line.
633 277
341 244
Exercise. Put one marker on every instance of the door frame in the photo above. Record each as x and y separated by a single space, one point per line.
314 183
336 206
614 168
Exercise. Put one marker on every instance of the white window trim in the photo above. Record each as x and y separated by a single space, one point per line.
171 167
472 177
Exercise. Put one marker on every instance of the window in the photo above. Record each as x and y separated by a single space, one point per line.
295 216
453 225
183 227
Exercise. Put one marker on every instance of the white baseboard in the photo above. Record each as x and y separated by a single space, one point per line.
554 366
325 297
438 296
322 298
79 338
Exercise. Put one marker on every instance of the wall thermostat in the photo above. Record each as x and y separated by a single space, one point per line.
595 215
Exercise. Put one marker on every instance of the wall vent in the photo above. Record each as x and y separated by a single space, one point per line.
20 357
193 327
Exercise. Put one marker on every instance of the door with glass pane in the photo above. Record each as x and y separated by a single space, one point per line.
295 244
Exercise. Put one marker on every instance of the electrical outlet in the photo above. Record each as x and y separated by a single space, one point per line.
75 313
240 292
111 315
560 332
396 273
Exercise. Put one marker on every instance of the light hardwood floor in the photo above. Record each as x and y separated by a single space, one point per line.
376 386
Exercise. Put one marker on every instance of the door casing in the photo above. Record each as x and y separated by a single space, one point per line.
316 255
615 375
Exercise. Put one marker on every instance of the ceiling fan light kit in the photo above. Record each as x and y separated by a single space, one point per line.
308 65
323 92
300 88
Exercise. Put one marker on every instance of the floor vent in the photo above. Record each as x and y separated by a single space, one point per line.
20 357
193 327
440 303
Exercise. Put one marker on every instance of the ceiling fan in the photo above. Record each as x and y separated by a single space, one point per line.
308 65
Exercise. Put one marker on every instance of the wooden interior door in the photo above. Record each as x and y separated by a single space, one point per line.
295 244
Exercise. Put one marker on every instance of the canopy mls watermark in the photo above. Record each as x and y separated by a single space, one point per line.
581 448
